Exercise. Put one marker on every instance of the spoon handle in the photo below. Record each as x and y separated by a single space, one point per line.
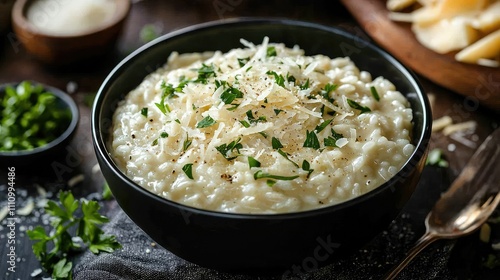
421 243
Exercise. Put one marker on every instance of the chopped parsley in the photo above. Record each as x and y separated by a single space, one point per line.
243 61
285 155
306 166
311 140
271 51
280 80
252 119
331 141
276 143
252 162
144 112
188 170
323 125
186 143
277 111
374 92
325 92
357 106
436 158
206 122
204 73
305 85
227 150
69 215
230 94
261 175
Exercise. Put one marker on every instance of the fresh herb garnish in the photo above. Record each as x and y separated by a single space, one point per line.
30 117
311 140
305 85
164 134
280 80
227 150
230 94
65 219
271 51
283 154
204 73
243 61
374 92
277 111
168 91
252 119
186 143
307 167
325 92
435 157
276 143
252 162
323 125
206 122
331 141
261 175
144 112
188 170
357 106
149 32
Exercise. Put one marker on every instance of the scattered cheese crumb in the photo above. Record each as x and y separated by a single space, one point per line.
441 123
459 127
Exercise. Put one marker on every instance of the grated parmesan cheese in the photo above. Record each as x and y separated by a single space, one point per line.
312 124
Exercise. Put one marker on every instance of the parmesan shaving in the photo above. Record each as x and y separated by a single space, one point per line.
468 125
441 123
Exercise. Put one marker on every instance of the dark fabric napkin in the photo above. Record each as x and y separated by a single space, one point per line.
141 258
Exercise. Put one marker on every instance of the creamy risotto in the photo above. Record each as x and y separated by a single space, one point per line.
261 129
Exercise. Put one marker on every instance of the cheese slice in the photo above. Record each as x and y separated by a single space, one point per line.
486 47
489 19
446 35
446 9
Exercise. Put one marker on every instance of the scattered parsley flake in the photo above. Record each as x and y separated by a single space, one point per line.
252 162
261 175
311 140
271 51
276 143
374 92
206 122
285 155
357 106
188 170
144 112
323 125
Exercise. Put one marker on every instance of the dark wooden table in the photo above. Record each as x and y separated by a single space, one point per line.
83 81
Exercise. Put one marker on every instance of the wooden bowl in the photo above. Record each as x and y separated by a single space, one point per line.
66 49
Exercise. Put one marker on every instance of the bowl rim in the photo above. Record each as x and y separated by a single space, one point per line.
75 116
19 19
421 144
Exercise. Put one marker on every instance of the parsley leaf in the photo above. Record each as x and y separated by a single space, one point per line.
307 167
252 162
206 122
227 150
311 140
261 174
323 125
188 170
271 51
374 92
144 112
331 141
230 94
357 106
285 155
64 219
243 61
276 143
205 72
280 80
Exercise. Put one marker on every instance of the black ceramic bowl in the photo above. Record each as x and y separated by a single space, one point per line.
243 241
39 155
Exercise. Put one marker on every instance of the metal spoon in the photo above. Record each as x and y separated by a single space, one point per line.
467 204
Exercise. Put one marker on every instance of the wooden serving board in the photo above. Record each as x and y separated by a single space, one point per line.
478 83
